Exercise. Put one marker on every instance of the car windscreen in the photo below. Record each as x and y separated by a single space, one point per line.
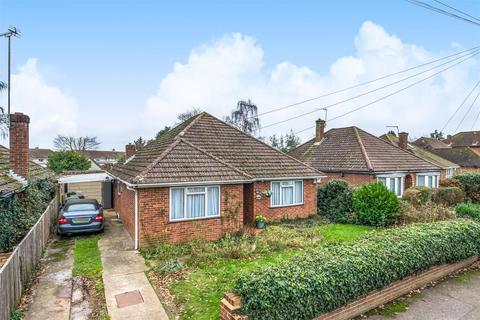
81 207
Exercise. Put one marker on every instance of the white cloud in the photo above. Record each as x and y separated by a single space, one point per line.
51 110
220 73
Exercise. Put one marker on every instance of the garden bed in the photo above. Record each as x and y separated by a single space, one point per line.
192 278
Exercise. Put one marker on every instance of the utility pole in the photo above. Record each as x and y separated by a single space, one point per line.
12 32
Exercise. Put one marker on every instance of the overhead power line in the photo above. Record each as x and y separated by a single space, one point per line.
455 9
470 55
365 83
441 11
468 111
391 94
461 105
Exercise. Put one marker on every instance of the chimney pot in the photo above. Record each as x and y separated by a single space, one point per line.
19 143
403 140
320 130
129 150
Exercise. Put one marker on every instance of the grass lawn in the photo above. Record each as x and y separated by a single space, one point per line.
88 265
206 270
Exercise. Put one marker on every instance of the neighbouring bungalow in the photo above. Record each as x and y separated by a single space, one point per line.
204 179
359 157
16 170
448 167
464 156
469 139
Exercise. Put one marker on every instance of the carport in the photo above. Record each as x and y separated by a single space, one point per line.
93 185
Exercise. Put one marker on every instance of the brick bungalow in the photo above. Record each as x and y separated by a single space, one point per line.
448 168
360 157
469 139
203 179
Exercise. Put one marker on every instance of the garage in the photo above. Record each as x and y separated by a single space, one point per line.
93 185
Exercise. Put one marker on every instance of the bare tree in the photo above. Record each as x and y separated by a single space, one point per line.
245 117
188 114
62 142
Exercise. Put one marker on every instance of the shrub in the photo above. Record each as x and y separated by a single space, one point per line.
335 201
429 212
448 196
471 185
324 279
60 161
375 205
417 196
451 182
470 210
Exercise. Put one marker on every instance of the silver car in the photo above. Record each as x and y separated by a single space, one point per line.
80 216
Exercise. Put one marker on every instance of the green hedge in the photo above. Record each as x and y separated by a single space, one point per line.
471 185
375 205
334 200
470 210
327 278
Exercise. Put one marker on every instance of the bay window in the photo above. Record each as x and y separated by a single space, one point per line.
428 180
286 193
187 203
394 184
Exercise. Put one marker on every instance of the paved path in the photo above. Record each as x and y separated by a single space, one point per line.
454 299
52 294
124 271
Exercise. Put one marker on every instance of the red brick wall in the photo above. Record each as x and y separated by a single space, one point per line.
19 149
124 205
154 224
261 204
355 179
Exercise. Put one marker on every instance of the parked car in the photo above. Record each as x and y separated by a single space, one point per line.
73 195
80 216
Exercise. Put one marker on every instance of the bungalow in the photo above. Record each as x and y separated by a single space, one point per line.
205 178
448 167
360 157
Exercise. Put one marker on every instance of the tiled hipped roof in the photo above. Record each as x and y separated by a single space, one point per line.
206 149
353 150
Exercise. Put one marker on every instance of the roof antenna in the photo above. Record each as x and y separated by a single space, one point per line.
12 32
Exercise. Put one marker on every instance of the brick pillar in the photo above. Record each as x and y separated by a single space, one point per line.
129 150
19 152
403 140
319 130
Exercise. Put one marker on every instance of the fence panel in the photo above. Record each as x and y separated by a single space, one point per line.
20 266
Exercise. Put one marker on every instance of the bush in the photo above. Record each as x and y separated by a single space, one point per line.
418 196
470 210
448 196
429 212
471 185
324 279
375 205
451 182
335 201
67 161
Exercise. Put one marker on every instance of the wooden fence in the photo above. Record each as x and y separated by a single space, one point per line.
17 271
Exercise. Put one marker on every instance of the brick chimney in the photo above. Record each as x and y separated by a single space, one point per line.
403 140
129 150
19 152
319 130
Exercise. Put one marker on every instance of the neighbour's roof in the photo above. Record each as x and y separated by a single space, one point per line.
464 139
430 143
39 153
9 184
103 154
463 156
422 153
352 149
206 149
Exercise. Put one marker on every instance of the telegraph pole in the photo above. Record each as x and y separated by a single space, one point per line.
12 32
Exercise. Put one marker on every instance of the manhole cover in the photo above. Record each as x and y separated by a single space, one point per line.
129 298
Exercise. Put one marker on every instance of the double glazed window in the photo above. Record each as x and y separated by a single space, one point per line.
430 181
393 184
194 202
286 193
449 173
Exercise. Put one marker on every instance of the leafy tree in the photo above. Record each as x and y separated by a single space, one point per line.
121 159
245 117
285 143
188 114
62 142
437 135
67 160
139 143
392 133
163 131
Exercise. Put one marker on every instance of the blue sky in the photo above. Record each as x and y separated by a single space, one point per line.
111 56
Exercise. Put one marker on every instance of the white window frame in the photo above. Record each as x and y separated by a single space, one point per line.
449 172
185 203
428 176
286 205
393 176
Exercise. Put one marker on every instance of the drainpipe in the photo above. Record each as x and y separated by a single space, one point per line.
136 217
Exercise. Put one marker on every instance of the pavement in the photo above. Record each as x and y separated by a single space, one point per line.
453 299
51 294
129 294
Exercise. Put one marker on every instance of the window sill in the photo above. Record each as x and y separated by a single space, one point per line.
193 219
287 205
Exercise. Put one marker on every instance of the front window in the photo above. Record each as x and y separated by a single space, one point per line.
194 203
449 173
393 184
430 181
286 193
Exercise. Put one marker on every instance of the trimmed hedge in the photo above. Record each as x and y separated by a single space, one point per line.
417 196
375 205
327 278
448 196
471 185
334 200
